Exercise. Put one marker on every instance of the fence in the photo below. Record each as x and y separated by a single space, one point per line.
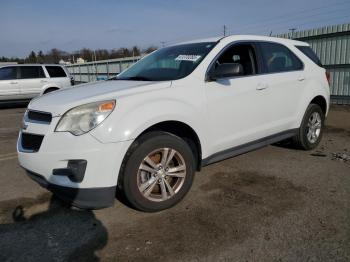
332 45
100 70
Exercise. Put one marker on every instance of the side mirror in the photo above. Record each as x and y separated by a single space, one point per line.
226 70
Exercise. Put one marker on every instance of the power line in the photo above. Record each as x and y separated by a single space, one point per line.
283 18
293 18
287 15
315 21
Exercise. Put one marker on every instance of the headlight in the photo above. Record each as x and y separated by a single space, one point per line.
81 119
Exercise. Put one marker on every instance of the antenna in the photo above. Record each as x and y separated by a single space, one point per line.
224 30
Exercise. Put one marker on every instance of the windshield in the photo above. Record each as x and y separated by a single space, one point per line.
169 63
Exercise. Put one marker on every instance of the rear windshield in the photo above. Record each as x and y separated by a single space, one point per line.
55 71
310 54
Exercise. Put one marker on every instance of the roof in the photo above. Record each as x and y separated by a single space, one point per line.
202 40
232 38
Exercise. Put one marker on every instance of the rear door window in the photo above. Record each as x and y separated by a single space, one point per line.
278 58
310 54
8 73
56 71
31 72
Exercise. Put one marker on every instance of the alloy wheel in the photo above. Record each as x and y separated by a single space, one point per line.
161 174
314 127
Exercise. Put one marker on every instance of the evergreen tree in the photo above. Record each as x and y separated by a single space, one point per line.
32 58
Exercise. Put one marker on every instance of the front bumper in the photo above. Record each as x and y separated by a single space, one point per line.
57 149
87 198
52 165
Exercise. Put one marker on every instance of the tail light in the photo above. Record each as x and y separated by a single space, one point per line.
328 76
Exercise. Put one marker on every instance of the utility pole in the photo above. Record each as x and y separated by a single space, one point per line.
224 30
94 63
292 30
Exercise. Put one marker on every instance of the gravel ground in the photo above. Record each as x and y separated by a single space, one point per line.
273 204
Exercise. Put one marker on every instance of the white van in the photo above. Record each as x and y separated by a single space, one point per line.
23 82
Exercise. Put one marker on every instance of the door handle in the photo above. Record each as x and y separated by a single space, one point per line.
43 81
261 86
13 82
302 78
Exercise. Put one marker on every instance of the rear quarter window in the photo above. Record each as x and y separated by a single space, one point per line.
56 71
306 50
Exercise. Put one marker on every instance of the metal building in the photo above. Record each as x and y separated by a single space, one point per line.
332 45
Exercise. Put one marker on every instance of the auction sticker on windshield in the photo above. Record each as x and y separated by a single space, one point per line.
192 58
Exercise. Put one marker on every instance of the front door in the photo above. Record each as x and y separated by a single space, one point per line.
238 106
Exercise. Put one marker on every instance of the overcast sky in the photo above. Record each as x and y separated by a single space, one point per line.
71 25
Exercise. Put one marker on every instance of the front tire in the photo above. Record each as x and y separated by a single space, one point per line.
311 128
157 172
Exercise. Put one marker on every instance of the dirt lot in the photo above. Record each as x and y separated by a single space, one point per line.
274 204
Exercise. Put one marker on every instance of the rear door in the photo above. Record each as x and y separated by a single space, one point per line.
9 88
31 80
284 76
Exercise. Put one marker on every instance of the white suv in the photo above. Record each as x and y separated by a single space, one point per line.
145 132
23 82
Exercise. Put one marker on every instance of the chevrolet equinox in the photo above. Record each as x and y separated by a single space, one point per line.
145 132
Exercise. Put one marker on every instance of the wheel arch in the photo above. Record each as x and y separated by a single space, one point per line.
182 130
321 101
48 89
318 99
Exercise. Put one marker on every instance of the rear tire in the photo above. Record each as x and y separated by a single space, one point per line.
311 129
157 172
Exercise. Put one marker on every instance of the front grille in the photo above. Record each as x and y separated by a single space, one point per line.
39 116
31 142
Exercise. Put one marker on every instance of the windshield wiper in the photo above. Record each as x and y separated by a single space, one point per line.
136 78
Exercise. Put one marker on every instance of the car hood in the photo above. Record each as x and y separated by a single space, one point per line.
60 101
